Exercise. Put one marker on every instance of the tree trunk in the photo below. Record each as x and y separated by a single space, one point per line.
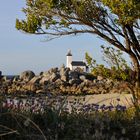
137 95
136 89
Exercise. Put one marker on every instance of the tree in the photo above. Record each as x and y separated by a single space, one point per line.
118 70
90 61
114 58
115 21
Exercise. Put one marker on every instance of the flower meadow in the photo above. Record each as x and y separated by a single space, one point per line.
38 105
55 118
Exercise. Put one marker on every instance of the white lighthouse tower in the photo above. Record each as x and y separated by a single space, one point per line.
69 60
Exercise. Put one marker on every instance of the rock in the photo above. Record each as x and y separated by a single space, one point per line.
90 77
93 90
16 79
44 74
54 77
75 81
40 91
4 78
82 77
103 91
108 84
114 90
44 81
35 80
109 81
87 82
59 82
74 75
95 81
62 70
53 70
41 73
30 87
100 78
64 78
64 73
27 75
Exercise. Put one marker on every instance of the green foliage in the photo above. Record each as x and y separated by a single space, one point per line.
118 66
114 58
126 10
90 61
101 70
85 12
31 26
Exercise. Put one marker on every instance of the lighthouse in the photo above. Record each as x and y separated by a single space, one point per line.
69 60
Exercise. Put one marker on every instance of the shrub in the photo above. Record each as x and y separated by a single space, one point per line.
118 67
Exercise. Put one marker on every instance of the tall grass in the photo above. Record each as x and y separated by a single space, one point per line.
56 123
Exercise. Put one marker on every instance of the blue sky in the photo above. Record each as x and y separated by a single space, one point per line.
20 51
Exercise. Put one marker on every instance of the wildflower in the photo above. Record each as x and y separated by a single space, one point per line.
123 108
96 108
102 107
118 107
110 108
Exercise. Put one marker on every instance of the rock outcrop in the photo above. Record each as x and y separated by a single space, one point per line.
27 75
61 81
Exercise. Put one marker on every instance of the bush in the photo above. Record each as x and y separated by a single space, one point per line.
118 70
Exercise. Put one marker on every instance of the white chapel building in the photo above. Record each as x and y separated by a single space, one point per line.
75 64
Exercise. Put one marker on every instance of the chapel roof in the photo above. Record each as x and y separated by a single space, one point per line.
78 63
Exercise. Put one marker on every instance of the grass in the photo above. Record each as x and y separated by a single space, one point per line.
60 124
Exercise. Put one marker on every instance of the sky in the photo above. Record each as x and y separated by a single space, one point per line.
20 51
